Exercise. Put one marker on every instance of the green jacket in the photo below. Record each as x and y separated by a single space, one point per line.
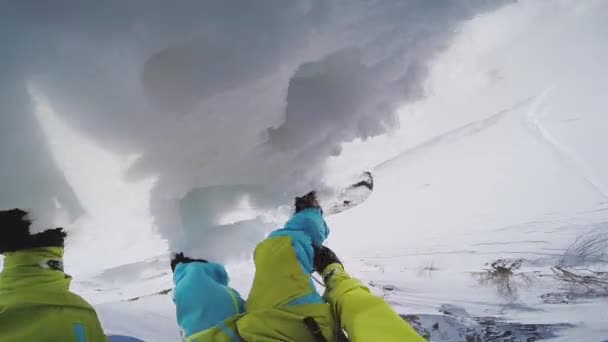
36 304
362 315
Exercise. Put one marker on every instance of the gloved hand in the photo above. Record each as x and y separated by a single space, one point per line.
307 201
323 258
180 258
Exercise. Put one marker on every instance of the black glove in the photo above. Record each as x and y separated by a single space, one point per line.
323 258
180 258
307 201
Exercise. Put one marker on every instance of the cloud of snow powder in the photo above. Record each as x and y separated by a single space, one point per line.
250 97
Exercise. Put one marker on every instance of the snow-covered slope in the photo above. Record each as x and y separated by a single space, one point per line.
446 209
492 168
502 160
440 212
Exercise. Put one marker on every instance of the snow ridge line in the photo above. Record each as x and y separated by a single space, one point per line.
464 131
533 124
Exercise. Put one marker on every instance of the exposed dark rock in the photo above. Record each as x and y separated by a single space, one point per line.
480 329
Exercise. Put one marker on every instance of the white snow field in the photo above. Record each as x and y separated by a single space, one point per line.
501 160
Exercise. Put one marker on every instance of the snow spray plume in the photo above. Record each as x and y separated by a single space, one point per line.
206 89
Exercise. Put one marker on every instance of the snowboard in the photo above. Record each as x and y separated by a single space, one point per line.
203 207
357 192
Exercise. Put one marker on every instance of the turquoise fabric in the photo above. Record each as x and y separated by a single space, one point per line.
202 296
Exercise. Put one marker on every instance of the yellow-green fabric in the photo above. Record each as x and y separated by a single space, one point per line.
225 332
278 275
36 304
278 280
362 315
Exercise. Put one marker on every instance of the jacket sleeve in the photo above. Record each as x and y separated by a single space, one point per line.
311 222
364 316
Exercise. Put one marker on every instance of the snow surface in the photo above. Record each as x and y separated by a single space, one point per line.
503 159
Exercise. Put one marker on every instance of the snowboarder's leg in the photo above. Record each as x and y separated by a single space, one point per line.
284 261
279 278
283 296
202 296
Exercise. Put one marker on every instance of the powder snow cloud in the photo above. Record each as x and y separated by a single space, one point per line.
211 93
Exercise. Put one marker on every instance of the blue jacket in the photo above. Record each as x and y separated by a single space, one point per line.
202 296
306 229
